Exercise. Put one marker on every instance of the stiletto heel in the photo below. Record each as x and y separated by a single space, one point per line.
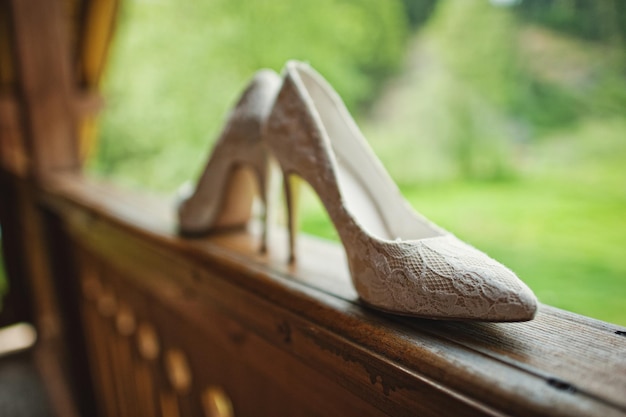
225 191
399 261
262 180
291 184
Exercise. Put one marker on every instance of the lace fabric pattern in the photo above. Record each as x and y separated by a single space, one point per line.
436 277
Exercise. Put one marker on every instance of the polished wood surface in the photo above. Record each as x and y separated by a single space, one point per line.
294 340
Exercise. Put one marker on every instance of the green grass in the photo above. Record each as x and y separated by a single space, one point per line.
566 242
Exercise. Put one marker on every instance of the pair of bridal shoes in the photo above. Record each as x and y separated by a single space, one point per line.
399 261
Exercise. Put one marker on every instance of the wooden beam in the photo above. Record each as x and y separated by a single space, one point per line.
45 85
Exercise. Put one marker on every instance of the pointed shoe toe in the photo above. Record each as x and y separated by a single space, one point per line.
440 278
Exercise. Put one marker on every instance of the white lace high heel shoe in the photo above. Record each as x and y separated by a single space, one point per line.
399 261
224 193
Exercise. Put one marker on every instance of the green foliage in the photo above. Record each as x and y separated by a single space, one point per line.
418 12
177 68
354 42
485 87
458 109
590 19
475 40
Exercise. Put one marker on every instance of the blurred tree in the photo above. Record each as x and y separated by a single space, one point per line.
176 68
418 11
603 20
355 43
481 79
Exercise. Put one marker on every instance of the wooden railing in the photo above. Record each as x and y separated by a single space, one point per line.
210 327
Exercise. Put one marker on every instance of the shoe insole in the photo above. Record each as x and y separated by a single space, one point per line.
360 203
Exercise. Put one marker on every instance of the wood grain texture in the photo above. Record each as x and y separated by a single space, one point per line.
269 332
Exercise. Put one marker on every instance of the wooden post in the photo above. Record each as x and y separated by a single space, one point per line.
45 85
45 113
45 109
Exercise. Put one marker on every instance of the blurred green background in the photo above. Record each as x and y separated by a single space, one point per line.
502 121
